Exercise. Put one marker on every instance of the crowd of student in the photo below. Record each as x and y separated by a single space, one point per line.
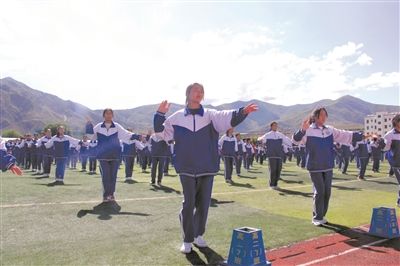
189 140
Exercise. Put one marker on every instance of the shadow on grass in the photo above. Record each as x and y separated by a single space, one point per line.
291 181
381 182
216 202
284 192
247 185
246 176
212 257
106 210
346 188
165 189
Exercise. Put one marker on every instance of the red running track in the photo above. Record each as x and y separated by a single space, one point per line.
349 246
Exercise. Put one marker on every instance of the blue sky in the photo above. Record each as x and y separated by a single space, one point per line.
141 52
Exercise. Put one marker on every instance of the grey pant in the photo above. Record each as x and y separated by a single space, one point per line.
396 171
322 184
228 163
196 201
275 168
363 166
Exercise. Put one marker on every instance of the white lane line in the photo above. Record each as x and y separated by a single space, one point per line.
167 197
344 252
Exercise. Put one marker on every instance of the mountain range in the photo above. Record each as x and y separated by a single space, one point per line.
28 110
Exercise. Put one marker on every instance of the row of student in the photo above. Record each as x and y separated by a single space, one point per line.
195 132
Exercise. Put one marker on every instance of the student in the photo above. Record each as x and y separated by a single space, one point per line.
34 153
159 153
228 146
168 160
47 155
195 131
145 154
319 140
391 144
363 150
83 150
60 144
73 155
249 154
108 135
7 161
129 151
376 152
240 153
346 154
92 157
274 141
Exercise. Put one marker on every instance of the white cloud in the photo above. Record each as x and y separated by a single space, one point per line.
120 55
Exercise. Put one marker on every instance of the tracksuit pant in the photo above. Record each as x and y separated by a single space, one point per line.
322 185
109 170
196 201
47 160
363 166
238 163
60 168
376 164
345 164
275 168
84 159
396 171
157 163
129 162
92 164
228 164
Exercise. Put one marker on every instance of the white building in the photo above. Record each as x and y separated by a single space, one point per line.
379 123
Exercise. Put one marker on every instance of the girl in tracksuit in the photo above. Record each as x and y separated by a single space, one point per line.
240 153
320 155
47 154
108 135
391 144
376 152
159 153
274 141
60 144
363 151
228 146
129 151
196 130
83 149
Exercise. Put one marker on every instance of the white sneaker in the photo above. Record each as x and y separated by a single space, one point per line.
318 222
275 188
200 242
186 247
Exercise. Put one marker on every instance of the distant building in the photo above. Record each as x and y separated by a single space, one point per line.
379 123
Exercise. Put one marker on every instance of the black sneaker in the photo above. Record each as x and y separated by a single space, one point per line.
56 183
159 183
128 181
152 182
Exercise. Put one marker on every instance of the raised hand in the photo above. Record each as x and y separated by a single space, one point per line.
250 108
164 107
16 170
306 124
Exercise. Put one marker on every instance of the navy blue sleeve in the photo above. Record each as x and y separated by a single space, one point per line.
135 137
298 135
89 128
158 122
238 117
357 136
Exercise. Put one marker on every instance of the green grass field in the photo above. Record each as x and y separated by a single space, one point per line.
62 227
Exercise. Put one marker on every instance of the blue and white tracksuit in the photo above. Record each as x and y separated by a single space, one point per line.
196 132
274 142
229 148
109 152
320 160
363 150
60 152
392 146
241 152
6 160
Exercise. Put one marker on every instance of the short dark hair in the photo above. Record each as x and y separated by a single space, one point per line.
106 110
396 120
273 123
